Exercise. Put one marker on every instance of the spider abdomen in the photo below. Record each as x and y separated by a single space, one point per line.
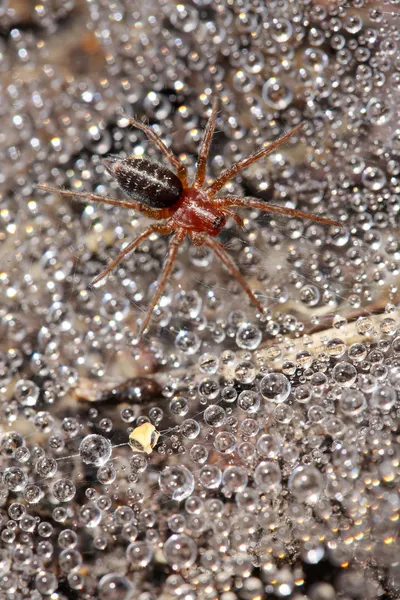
146 181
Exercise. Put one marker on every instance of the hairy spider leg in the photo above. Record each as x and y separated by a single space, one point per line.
162 228
220 252
89 197
201 169
155 138
249 160
174 244
249 202
234 216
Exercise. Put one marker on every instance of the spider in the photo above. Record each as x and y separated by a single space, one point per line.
181 207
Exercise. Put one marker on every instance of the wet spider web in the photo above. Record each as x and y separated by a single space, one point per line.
286 426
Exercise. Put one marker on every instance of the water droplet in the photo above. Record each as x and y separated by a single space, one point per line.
275 387
177 482
306 484
180 551
95 450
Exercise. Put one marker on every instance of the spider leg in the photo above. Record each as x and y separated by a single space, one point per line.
174 244
220 252
155 138
205 147
249 160
89 197
233 215
196 238
162 228
249 202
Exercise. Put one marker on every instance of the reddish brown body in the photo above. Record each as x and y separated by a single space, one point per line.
183 209
194 212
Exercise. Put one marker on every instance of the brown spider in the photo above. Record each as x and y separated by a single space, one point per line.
182 208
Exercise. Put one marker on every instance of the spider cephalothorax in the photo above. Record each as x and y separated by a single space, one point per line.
182 208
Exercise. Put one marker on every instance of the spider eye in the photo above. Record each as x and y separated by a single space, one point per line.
218 222
145 181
